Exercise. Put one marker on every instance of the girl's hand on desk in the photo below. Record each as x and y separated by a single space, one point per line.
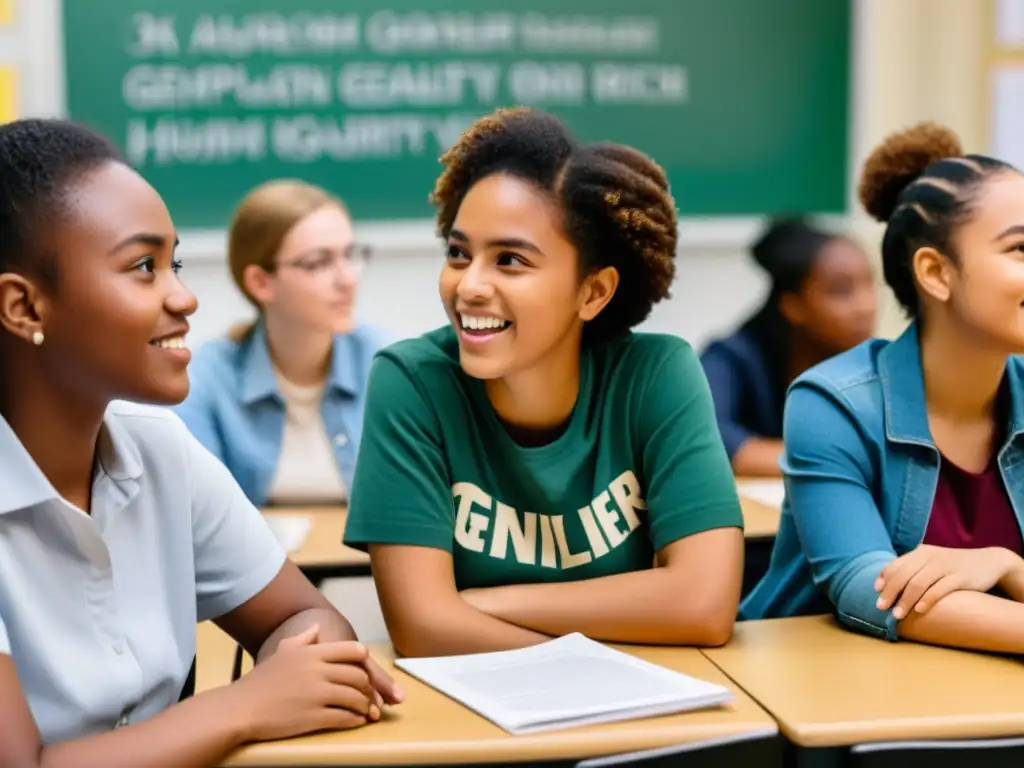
307 686
919 579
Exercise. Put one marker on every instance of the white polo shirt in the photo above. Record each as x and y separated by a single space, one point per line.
99 612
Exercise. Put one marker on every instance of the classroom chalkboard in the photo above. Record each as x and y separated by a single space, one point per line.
744 102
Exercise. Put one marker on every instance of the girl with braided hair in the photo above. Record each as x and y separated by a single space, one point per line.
523 467
903 460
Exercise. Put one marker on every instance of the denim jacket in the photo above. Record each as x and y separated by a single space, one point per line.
861 470
236 410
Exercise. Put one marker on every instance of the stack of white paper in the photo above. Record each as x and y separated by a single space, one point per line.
769 491
290 530
563 683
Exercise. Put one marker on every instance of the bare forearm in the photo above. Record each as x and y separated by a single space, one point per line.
333 627
641 607
199 732
1013 584
969 620
461 629
758 457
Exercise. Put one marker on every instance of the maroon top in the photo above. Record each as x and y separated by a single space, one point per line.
972 511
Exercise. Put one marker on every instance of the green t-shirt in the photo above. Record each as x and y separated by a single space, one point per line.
641 464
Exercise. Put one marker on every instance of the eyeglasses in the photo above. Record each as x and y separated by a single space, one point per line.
355 257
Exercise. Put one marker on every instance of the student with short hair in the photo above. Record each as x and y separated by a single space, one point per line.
903 461
822 302
522 467
118 530
280 400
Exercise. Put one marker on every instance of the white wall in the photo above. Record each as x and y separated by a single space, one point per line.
918 60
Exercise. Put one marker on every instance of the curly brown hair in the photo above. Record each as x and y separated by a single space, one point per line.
615 203
922 185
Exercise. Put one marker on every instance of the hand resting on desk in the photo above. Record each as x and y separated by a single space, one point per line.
307 686
919 579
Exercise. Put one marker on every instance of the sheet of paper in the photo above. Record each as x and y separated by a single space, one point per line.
1008 114
770 492
291 530
565 682
1010 23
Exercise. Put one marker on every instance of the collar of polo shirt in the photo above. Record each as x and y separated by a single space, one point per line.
24 484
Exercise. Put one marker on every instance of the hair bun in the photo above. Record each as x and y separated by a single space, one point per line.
899 160
787 242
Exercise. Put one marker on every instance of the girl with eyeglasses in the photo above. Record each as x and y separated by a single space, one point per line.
280 400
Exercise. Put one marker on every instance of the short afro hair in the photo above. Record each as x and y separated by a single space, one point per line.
40 160
615 202
922 185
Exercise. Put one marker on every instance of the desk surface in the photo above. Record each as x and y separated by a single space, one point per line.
827 686
322 546
215 657
429 728
760 520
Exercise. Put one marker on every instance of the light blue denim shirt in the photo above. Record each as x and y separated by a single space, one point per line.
237 411
861 470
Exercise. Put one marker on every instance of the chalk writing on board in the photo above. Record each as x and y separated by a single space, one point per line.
345 107
744 103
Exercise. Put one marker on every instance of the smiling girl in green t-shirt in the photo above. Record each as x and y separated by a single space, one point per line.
523 469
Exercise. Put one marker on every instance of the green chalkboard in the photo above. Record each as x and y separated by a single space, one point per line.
744 102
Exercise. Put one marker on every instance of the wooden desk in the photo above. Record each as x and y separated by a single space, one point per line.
429 728
322 555
215 657
760 525
827 686
760 521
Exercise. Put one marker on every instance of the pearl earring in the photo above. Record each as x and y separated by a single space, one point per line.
37 338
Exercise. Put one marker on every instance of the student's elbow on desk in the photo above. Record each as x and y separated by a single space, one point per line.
416 589
852 591
714 631
711 624
420 634
709 572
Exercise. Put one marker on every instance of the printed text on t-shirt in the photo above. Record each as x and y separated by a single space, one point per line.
492 530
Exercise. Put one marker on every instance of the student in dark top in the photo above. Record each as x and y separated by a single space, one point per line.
822 302
904 459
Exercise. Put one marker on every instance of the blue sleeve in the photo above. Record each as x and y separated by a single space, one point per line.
828 475
198 410
726 384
